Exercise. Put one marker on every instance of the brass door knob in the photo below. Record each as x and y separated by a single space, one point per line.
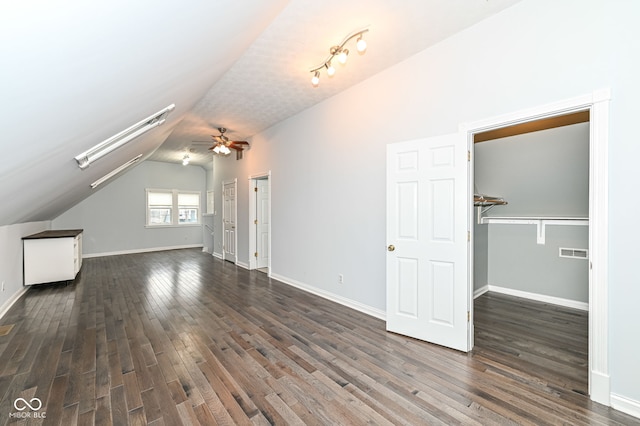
391 247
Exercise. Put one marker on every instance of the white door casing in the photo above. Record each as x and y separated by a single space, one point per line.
597 103
262 223
229 190
427 259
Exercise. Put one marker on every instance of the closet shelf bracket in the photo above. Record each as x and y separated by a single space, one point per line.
484 203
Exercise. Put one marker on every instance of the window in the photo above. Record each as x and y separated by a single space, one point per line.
167 207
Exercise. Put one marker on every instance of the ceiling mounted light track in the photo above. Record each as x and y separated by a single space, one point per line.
339 53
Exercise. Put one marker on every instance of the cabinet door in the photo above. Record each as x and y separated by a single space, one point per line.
48 260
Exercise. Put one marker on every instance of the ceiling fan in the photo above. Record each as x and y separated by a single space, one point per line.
223 145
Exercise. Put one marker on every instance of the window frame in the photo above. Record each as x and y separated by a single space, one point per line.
174 209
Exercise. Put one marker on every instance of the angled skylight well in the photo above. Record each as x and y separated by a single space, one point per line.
116 171
127 135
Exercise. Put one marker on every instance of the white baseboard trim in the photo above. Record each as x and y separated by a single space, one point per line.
13 299
583 306
480 291
144 250
374 312
217 255
626 405
243 265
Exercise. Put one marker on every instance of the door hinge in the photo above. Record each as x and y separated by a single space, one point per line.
468 316
468 155
255 254
468 236
255 189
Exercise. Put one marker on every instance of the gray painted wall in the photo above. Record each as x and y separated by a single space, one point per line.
114 217
517 262
480 255
544 173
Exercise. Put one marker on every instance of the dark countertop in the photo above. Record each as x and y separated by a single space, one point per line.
58 233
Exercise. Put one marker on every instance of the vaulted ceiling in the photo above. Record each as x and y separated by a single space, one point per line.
75 73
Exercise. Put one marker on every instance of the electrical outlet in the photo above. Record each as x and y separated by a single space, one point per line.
341 278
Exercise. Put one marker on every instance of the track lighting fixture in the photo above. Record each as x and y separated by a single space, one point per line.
315 80
185 160
340 53
330 69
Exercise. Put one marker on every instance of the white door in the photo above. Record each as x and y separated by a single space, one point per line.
427 235
229 221
262 223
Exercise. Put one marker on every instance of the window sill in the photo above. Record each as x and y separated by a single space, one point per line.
186 225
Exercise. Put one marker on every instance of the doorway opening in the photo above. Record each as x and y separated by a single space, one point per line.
260 222
531 271
597 105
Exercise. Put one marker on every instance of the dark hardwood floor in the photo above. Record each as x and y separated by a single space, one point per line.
179 337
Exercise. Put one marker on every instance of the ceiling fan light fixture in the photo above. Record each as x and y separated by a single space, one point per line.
224 150
216 150
339 52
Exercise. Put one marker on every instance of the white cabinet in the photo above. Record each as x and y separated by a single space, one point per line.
52 256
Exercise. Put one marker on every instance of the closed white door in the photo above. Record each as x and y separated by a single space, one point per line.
262 223
229 221
427 235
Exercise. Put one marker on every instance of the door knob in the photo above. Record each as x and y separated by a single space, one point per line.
391 247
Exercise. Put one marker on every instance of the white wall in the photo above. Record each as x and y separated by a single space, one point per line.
114 217
11 272
328 163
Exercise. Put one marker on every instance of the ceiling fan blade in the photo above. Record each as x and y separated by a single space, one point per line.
240 142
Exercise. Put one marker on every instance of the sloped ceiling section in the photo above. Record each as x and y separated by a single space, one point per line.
75 73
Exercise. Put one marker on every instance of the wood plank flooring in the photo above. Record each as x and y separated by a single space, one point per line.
178 337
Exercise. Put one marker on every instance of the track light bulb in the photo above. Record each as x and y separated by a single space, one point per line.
185 160
315 80
361 45
330 69
342 56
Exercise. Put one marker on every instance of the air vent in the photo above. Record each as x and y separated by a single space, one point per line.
574 253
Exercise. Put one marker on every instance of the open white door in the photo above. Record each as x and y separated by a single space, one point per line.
427 236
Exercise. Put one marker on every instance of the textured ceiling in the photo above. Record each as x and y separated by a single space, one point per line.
271 80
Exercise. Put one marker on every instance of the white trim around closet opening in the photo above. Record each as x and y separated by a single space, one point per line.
597 103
